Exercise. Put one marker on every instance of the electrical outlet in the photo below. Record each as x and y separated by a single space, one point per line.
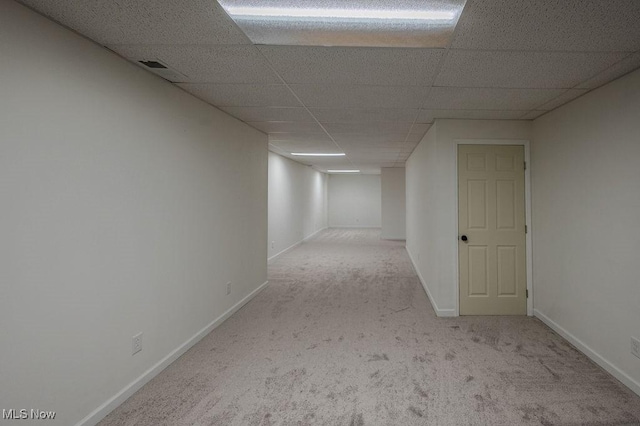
229 288
273 244
635 347
136 344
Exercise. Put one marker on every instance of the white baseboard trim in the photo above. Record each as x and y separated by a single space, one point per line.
308 237
288 249
595 357
291 247
439 312
101 412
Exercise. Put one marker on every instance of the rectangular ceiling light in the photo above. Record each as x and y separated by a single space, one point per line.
374 23
355 14
317 154
343 171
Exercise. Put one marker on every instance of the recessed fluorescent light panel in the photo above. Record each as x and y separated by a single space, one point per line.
343 171
317 154
375 23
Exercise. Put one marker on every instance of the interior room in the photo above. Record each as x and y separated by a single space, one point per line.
232 212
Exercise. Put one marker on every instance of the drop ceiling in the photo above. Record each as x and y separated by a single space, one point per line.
505 59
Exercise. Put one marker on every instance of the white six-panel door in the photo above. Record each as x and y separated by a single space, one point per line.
491 225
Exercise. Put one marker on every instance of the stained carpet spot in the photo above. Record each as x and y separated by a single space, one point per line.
417 389
377 357
357 420
555 375
416 411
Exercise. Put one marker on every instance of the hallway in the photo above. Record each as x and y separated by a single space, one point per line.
344 334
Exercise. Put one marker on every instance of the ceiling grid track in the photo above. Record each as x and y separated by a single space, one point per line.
303 105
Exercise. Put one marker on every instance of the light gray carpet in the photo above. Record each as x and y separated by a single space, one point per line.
344 335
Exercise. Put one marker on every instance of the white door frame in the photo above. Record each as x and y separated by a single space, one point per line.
527 209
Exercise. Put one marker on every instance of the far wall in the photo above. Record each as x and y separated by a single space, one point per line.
297 203
355 201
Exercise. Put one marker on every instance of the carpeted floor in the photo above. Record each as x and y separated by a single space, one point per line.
344 335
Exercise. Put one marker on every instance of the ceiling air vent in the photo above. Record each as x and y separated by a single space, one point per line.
153 64
161 69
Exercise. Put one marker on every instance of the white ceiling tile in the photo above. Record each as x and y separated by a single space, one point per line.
371 139
297 146
322 163
488 98
429 115
625 66
328 162
360 96
536 70
363 150
287 127
415 137
359 115
367 128
409 145
144 21
562 99
566 25
269 114
420 127
531 115
408 148
300 137
354 65
254 95
374 156
207 64
366 148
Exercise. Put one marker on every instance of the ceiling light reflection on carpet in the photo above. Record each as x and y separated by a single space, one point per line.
372 23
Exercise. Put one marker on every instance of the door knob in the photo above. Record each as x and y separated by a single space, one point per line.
464 238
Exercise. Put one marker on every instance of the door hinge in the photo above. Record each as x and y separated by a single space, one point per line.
527 293
526 229
525 165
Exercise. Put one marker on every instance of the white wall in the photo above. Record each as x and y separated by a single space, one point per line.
354 201
431 201
297 203
586 206
393 203
127 204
